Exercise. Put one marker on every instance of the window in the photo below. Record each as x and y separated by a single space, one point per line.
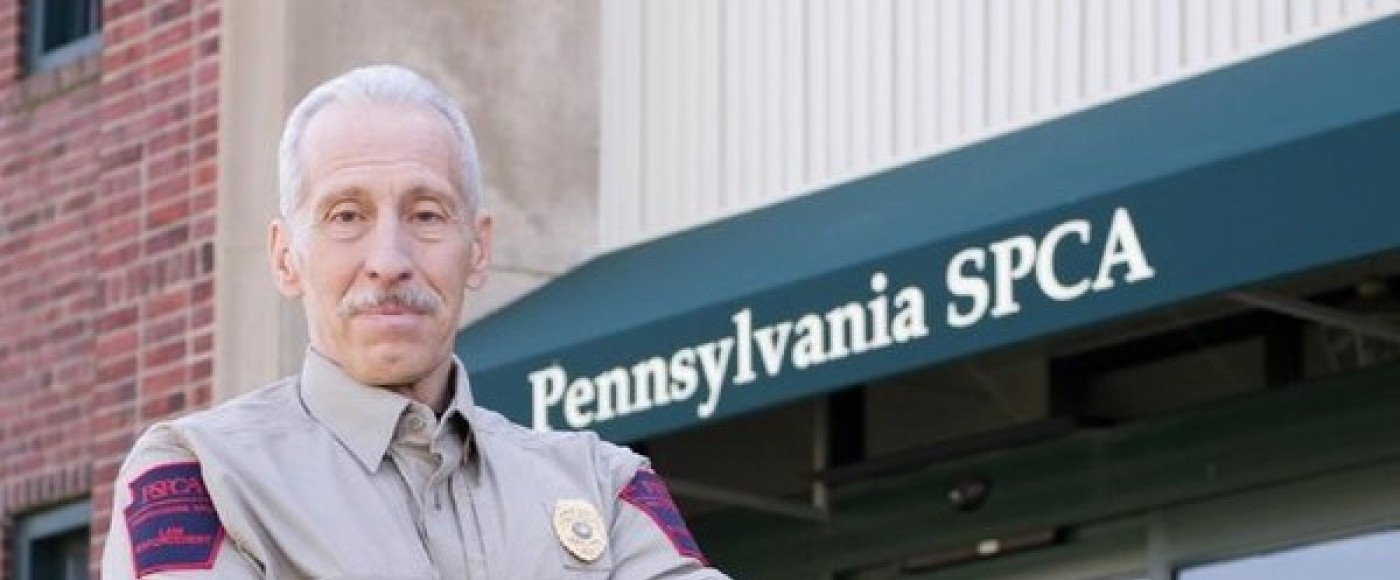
58 32
53 543
1370 557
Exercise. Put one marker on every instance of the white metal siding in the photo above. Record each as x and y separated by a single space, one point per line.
711 107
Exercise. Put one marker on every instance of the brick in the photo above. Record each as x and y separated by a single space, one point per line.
164 406
167 239
202 369
202 343
166 303
172 10
112 444
118 33
176 135
116 10
206 149
124 156
116 256
118 58
114 394
173 61
206 126
156 383
202 317
111 344
209 16
174 163
117 319
113 418
174 186
175 33
173 212
209 46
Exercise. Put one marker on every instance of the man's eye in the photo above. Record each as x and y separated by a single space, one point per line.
428 217
344 216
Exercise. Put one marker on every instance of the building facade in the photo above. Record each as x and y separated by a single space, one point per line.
109 140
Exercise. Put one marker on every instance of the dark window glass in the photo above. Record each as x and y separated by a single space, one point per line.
52 544
1370 557
68 20
57 32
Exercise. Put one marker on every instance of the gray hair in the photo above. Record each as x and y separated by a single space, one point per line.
384 83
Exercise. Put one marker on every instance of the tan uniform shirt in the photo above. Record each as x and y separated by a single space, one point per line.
322 477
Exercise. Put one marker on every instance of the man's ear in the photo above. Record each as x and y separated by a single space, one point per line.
480 252
284 266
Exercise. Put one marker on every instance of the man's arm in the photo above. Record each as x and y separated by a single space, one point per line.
164 524
649 536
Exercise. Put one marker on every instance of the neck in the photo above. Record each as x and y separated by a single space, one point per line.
432 390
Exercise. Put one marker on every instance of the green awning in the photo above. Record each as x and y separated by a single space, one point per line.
1272 167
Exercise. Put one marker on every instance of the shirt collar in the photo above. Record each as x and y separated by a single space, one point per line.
362 417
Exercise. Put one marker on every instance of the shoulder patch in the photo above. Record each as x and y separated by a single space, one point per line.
171 520
648 493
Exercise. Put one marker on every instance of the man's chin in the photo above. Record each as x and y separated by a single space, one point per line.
392 368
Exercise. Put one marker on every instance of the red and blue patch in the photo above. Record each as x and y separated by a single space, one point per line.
648 493
171 520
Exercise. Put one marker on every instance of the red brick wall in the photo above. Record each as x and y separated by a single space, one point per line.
107 218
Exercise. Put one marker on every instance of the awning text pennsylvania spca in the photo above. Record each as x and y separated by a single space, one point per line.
981 282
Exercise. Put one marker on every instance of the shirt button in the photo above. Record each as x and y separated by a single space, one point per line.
416 423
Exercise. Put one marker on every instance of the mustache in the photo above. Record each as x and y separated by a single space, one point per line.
418 301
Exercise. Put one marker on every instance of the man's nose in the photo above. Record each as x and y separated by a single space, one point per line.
388 259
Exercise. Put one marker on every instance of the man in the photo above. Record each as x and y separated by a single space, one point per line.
374 462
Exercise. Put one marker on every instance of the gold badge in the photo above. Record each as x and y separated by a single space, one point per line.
580 529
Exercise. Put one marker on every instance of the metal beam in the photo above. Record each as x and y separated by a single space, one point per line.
747 500
1320 314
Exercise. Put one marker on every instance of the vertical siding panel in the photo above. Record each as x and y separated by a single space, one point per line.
1249 25
1045 55
1302 17
656 105
998 44
751 61
816 88
1144 40
1120 45
941 87
975 98
620 145
1222 29
688 200
1274 14
768 30
1358 9
1196 24
1020 61
1069 73
839 87
1169 38
1096 49
709 108
794 96
858 85
1329 12
731 101
882 95
906 76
